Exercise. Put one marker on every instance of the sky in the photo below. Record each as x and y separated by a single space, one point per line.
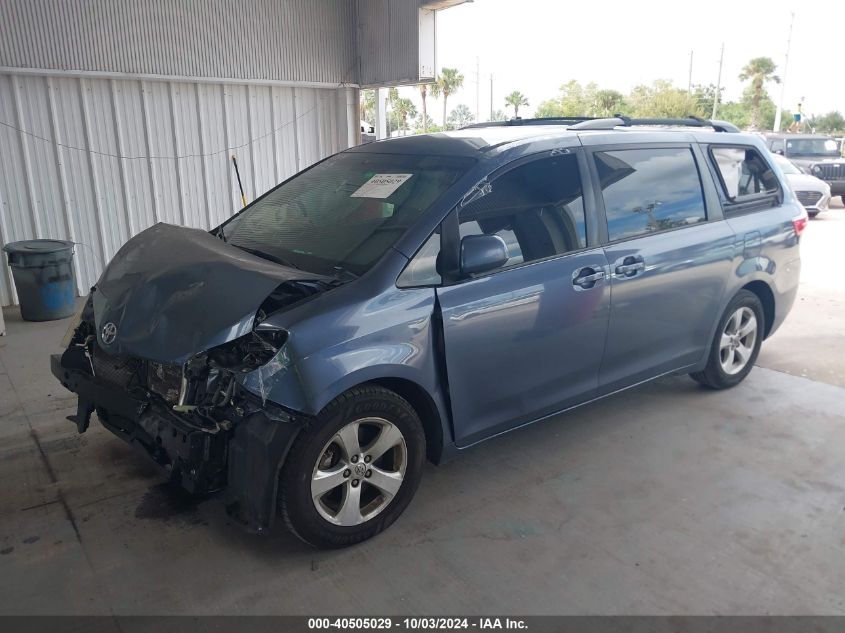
535 46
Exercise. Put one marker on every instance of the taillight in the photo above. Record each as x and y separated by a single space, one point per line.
799 224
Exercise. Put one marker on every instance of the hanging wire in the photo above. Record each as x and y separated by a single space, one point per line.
93 252
226 150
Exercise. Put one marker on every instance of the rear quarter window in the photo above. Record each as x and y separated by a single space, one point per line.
746 179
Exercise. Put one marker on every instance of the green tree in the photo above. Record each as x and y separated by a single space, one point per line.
427 89
571 101
425 125
449 82
705 95
663 100
760 71
606 103
515 100
498 115
404 108
576 100
460 117
735 112
368 105
828 123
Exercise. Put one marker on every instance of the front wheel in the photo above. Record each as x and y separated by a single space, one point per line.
352 473
735 346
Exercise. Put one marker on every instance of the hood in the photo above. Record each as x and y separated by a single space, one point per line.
808 161
806 182
171 292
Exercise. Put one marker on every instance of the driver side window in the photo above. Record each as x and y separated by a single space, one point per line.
537 208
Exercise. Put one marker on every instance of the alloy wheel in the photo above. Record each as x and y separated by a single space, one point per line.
738 340
359 471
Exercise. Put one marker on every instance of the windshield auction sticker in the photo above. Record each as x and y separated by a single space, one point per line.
381 186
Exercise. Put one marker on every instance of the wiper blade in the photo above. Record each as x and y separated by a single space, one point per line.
340 271
268 256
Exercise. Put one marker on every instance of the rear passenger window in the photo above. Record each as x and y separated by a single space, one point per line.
649 190
537 208
743 172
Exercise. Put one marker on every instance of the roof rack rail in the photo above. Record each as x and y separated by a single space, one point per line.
555 120
623 121
609 123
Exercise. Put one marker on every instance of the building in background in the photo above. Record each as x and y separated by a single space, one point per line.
115 115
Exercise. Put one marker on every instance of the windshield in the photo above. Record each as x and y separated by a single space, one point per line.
811 147
786 165
345 213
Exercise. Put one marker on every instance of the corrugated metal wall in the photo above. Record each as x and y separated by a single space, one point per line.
388 41
98 160
291 40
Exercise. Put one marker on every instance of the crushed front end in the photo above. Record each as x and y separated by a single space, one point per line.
195 418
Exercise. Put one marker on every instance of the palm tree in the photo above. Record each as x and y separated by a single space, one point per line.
426 89
404 108
607 103
760 71
516 99
449 81
368 105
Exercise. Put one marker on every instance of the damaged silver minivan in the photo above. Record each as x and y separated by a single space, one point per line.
409 298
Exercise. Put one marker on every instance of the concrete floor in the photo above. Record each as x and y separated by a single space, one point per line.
668 499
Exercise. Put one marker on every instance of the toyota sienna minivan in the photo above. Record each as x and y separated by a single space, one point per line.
403 300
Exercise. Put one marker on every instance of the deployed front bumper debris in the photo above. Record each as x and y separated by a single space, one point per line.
230 442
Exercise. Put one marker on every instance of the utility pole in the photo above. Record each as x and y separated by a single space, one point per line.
477 90
778 112
718 83
689 82
491 96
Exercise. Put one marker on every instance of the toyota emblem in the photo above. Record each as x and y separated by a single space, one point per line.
109 333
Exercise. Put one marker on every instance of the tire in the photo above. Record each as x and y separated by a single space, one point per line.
812 214
723 369
842 198
324 456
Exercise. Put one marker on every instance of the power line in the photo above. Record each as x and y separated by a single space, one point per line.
226 150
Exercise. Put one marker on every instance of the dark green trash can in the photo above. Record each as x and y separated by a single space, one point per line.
44 278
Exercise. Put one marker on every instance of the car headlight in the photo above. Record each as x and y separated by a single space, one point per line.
249 352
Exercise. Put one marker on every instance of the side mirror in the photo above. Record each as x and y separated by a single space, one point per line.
480 253
779 151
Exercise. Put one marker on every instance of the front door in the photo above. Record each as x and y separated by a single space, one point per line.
526 340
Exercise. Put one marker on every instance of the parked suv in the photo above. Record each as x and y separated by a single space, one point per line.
813 154
413 297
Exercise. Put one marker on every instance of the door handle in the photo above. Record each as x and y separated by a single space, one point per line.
585 278
630 266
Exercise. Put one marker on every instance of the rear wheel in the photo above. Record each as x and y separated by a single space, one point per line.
355 470
735 346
